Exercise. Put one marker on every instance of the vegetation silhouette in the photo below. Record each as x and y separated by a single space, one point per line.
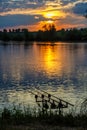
48 33
21 115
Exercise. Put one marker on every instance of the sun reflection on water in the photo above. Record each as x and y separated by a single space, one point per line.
59 68
51 58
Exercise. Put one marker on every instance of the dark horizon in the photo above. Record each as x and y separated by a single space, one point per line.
49 33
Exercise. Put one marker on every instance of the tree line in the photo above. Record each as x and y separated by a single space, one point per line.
49 33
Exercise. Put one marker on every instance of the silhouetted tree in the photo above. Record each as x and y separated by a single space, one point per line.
5 30
48 33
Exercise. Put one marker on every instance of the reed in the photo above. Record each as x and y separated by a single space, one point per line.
33 119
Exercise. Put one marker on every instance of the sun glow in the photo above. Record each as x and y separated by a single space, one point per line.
50 14
50 22
54 14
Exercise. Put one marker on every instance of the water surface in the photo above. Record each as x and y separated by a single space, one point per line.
58 68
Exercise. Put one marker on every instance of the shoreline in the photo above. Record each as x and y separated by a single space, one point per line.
10 118
40 127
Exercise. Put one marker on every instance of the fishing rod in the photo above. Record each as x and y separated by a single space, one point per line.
37 96
53 100
49 100
34 94
53 105
54 97
43 101
43 97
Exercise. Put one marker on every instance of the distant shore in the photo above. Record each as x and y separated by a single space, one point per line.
49 34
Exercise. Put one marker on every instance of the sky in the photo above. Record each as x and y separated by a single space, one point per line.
33 14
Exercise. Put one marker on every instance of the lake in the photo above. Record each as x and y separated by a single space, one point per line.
58 68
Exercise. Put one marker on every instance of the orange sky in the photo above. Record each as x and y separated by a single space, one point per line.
33 15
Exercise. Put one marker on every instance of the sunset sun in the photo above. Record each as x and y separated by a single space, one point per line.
54 15
50 22
49 14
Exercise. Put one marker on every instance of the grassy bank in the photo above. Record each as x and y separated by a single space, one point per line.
27 119
40 127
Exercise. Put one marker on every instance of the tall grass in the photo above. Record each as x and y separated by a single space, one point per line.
26 116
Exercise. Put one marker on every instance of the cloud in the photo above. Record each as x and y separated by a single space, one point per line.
17 20
29 12
80 8
10 5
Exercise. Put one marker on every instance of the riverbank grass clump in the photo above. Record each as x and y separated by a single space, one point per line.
37 119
